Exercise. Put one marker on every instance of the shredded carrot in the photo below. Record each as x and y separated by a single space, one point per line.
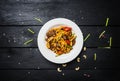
87 37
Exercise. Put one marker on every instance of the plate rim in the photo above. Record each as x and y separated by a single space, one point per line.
43 28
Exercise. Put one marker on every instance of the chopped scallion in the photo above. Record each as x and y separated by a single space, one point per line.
87 37
29 41
101 34
110 44
95 57
38 20
31 31
104 47
107 20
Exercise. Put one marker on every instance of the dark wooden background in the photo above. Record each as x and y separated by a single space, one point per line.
19 62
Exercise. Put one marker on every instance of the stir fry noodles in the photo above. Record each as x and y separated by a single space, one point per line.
60 39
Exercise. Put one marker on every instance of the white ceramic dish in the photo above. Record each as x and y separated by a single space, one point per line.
50 55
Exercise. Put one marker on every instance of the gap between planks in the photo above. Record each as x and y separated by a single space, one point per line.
78 25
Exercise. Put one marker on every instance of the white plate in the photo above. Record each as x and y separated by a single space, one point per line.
50 55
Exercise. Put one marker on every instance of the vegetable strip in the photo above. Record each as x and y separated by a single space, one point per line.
105 47
107 20
87 37
101 34
110 44
31 31
29 41
38 20
95 57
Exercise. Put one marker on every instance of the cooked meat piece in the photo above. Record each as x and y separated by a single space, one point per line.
51 33
69 33
65 37
46 39
73 42
51 46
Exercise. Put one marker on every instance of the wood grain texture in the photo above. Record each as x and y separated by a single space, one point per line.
19 62
15 36
69 75
23 12
31 58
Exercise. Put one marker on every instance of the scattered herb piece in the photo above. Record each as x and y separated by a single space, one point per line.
105 47
78 59
31 31
107 20
101 34
59 70
38 20
95 57
87 37
29 41
110 44
77 68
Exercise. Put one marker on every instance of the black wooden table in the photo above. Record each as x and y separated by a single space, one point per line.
19 62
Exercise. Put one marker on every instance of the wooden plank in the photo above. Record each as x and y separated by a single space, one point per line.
23 12
15 36
31 58
53 75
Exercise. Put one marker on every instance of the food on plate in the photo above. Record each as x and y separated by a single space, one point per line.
60 39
